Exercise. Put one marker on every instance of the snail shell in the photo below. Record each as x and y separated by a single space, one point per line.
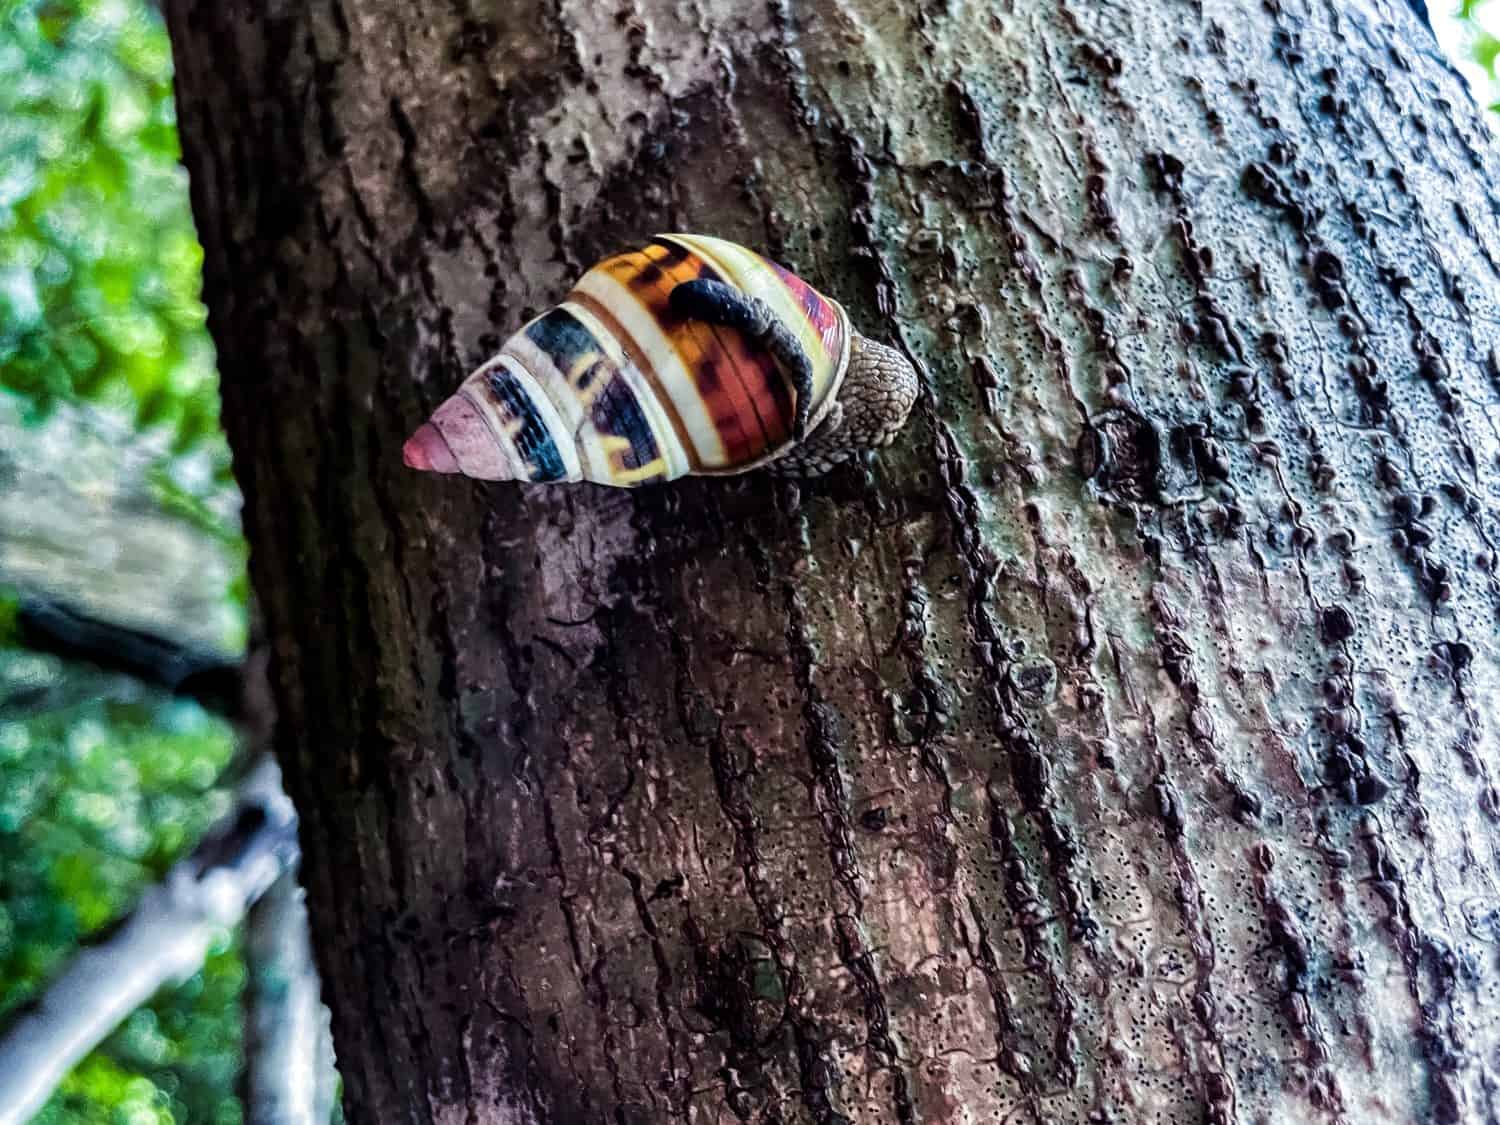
612 386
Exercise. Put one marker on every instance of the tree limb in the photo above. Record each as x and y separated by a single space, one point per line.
289 1050
164 941
213 679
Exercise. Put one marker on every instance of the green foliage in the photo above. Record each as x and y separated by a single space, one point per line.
102 792
10 632
1484 48
100 268
105 785
1473 38
174 1060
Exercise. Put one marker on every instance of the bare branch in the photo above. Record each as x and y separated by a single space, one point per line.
212 678
164 941
81 524
289 1053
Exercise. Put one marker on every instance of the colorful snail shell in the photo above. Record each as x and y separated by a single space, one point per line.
690 355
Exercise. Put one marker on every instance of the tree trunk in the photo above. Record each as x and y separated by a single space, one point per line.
1115 749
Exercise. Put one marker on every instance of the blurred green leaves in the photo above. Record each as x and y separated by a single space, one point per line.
99 265
174 1062
105 784
1474 43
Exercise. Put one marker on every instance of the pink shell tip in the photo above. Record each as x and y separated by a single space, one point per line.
426 450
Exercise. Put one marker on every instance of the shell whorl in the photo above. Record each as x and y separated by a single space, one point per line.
611 386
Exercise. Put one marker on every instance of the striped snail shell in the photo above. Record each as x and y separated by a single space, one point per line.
615 385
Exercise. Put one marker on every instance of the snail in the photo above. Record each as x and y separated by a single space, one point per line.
692 355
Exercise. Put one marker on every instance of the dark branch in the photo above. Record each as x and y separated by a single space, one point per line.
213 679
163 940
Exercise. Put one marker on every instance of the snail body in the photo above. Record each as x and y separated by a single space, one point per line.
692 355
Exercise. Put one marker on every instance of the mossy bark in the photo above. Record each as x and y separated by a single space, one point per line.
1118 748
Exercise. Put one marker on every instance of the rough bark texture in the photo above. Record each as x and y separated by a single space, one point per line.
1115 750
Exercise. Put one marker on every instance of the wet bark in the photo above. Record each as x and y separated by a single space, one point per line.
1116 749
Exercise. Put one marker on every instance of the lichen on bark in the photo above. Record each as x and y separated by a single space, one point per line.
1114 749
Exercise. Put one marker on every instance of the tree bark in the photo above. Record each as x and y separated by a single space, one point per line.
1115 749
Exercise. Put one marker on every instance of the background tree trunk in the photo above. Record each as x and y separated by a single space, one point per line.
1116 749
